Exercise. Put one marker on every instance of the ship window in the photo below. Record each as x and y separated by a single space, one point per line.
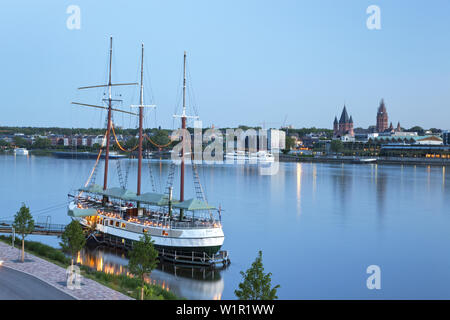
122 225
111 222
117 224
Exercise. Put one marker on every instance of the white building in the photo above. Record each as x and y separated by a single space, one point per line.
101 140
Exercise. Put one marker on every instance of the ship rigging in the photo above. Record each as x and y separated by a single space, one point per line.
183 230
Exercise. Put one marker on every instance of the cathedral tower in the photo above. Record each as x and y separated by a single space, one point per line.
382 118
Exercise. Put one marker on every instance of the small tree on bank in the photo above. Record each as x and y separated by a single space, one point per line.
23 225
143 259
256 284
73 239
337 146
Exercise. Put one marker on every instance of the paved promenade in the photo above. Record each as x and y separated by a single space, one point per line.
55 276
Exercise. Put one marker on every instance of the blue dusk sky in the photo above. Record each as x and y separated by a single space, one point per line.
249 62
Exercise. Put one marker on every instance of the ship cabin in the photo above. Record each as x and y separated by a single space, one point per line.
147 209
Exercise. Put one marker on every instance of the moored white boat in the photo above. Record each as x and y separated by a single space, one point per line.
20 151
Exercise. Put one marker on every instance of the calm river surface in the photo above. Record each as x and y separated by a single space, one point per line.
319 225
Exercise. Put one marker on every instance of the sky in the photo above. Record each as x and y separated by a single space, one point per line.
286 62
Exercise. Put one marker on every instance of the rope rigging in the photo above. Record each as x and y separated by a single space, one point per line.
158 145
200 194
118 143
152 180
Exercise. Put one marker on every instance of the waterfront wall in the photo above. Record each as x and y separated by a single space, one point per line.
380 160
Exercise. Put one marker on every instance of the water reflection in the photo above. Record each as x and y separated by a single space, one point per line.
188 282
299 188
443 177
380 183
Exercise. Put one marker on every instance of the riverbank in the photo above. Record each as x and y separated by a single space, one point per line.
49 264
379 160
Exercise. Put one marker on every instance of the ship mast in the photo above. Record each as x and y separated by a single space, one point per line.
108 130
184 133
110 109
141 118
183 128
141 107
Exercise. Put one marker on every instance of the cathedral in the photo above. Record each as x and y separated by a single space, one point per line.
382 121
344 126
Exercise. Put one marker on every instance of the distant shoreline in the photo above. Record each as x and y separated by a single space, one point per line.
379 160
291 158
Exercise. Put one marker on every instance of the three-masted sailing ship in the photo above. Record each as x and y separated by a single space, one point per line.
183 230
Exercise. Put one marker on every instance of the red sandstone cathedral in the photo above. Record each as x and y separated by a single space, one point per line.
382 120
344 127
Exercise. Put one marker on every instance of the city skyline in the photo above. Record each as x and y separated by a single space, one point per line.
249 63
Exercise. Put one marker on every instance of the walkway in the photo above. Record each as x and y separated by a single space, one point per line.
17 285
54 276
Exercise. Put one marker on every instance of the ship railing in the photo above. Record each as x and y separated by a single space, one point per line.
159 220
194 257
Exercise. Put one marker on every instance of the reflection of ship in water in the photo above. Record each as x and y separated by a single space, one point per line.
190 282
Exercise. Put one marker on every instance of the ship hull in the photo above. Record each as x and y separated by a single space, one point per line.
198 240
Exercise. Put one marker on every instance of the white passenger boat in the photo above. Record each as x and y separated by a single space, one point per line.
20 151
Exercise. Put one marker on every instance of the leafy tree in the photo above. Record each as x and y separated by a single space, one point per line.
73 239
417 129
23 225
143 259
435 130
337 146
42 143
131 143
256 284
21 142
290 142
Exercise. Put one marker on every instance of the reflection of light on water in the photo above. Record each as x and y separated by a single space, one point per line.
299 187
314 180
376 173
201 284
98 263
443 176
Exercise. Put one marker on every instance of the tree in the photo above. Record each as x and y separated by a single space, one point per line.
143 259
73 239
131 143
290 143
159 137
42 143
417 129
23 225
256 284
21 142
337 146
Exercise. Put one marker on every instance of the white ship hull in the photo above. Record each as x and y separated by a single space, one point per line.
208 239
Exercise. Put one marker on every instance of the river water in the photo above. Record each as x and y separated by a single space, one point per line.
318 225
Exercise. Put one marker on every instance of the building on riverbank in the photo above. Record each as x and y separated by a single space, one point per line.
416 151
446 137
